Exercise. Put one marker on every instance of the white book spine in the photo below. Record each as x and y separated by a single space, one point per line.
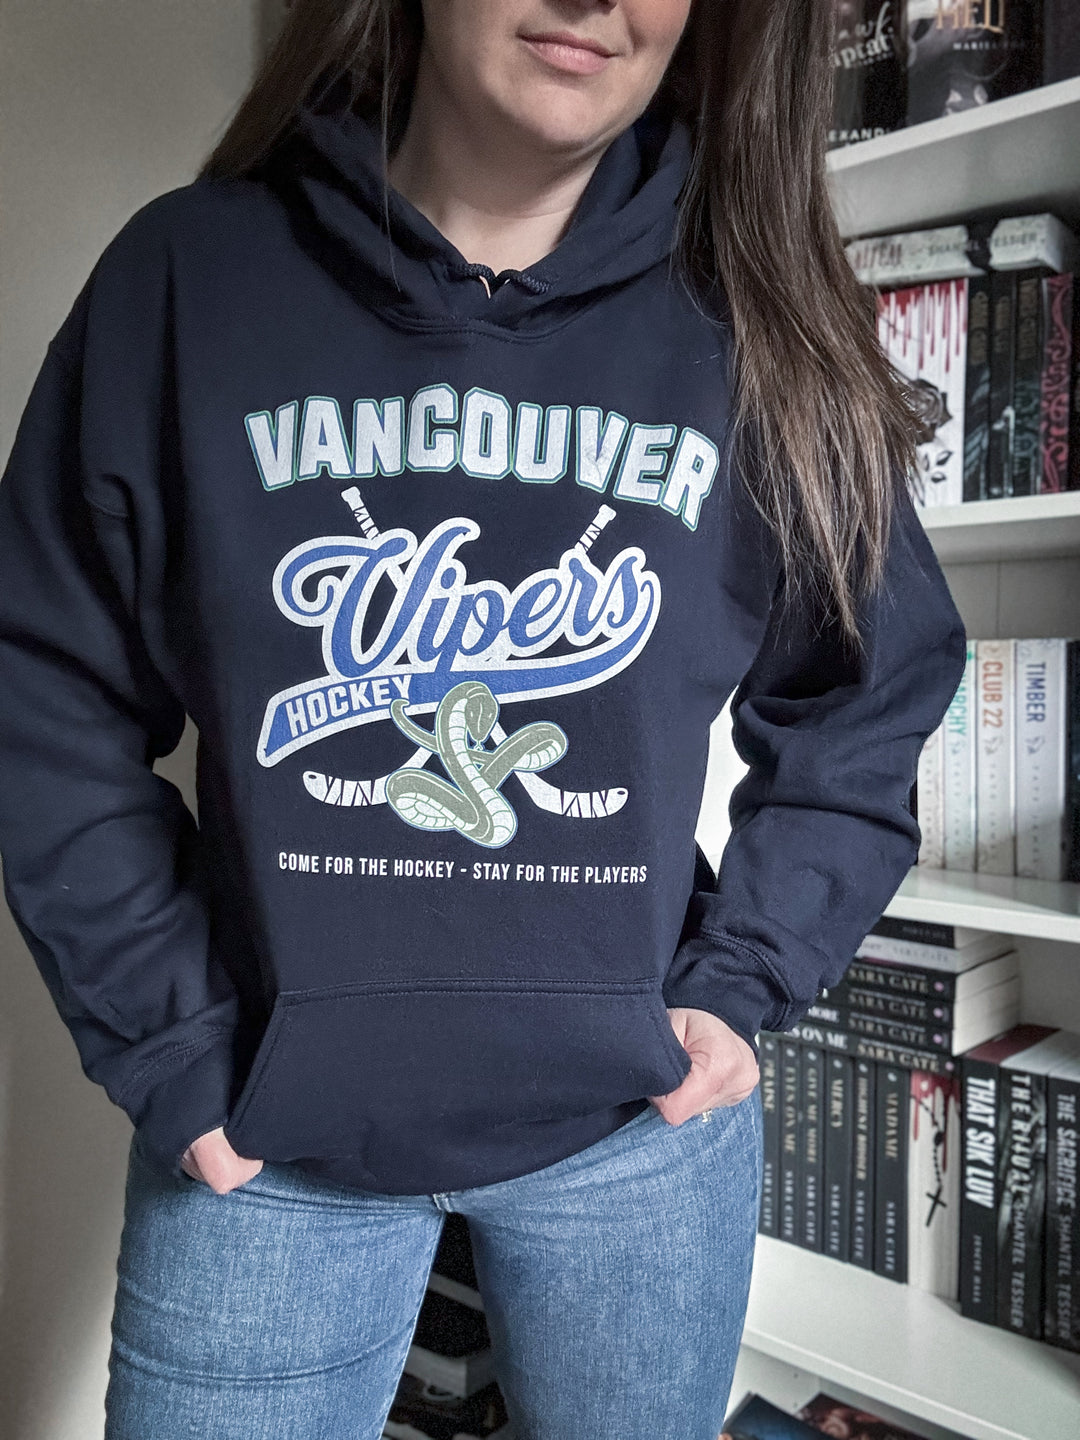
995 763
959 771
930 800
933 1183
1040 758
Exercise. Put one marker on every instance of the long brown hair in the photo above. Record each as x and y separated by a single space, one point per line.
824 426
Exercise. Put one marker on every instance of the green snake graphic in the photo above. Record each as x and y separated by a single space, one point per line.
474 805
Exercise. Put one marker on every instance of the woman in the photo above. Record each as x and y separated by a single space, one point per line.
508 346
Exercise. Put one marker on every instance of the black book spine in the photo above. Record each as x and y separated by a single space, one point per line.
1027 383
923 932
979 1087
790 1105
908 1057
1002 354
811 1152
1074 391
1057 312
977 388
902 980
890 1173
864 1076
1061 41
839 1150
1061 1279
1022 1191
769 1065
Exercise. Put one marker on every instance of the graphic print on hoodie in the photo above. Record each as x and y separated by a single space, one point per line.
452 584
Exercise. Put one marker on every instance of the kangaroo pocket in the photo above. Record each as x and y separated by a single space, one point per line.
423 1055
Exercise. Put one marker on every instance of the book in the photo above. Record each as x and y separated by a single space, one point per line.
907 1057
1061 1272
422 1411
755 1418
451 1347
1002 355
995 765
839 1151
980 1079
869 73
890 1172
790 1119
1040 758
910 992
884 945
931 800
1072 762
957 1028
769 1069
811 1147
864 1073
968 249
961 56
933 1183
1059 299
1021 1179
830 1416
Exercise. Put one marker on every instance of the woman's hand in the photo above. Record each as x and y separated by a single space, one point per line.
723 1071
212 1159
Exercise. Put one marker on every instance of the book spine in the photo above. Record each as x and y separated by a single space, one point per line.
1040 758
790 1106
931 799
891 977
811 1156
912 1009
1061 41
979 1081
921 932
959 770
890 1173
839 1150
933 1183
995 764
1057 306
1021 1188
904 1057
1072 768
1027 384
769 1067
864 1075
977 388
1061 1277
1002 341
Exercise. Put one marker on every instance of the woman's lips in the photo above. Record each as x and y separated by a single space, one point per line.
572 59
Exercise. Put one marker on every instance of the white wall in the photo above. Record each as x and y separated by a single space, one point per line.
103 105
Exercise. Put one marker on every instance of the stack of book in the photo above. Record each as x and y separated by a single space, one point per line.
983 319
998 783
449 1390
1019 1223
861 1100
900 62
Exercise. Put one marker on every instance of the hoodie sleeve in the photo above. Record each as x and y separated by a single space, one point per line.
821 829
100 854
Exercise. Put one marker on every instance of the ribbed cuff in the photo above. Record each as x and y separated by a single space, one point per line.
189 1101
729 982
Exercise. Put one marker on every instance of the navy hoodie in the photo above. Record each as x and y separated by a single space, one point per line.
452 584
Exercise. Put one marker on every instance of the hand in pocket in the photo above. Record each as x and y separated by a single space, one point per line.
212 1159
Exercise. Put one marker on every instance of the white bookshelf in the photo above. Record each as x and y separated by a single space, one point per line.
1014 569
908 1348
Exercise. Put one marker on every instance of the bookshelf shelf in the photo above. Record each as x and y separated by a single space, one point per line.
1018 527
1042 909
919 1353
1022 152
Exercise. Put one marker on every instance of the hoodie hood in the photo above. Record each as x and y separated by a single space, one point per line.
329 168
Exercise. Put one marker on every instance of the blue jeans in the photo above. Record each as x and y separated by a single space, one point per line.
614 1285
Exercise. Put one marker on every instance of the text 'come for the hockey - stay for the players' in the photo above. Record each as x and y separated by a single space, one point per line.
403 866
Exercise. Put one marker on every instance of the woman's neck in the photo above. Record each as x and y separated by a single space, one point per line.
499 198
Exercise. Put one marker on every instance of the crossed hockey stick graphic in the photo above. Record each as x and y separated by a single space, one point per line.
577 804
